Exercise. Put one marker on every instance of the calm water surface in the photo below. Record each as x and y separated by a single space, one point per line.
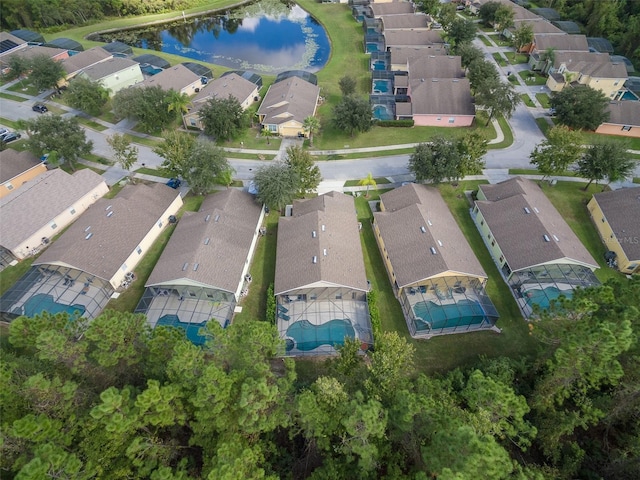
268 36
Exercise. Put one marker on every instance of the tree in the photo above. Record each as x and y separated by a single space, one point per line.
487 12
548 57
352 114
461 31
176 150
178 103
369 181
472 147
87 95
468 53
606 159
347 85
429 6
503 17
481 72
223 118
149 106
205 164
447 14
277 185
18 67
557 152
45 72
311 125
497 97
580 107
49 133
435 161
523 35
301 163
226 176
125 153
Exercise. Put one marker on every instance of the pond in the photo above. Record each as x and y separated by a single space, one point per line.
268 36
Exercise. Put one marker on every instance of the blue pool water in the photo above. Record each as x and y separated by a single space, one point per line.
464 312
382 112
379 65
372 47
191 329
628 96
543 297
372 30
381 86
309 337
150 69
42 302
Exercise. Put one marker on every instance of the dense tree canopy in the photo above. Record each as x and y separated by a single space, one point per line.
277 184
606 159
301 162
223 118
124 152
44 72
87 95
555 154
435 161
580 107
149 106
207 163
352 114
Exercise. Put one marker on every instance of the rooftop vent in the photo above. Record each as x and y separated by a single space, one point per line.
87 229
429 222
88 236
423 230
324 252
216 218
195 266
555 237
536 210
108 207
433 251
439 243
185 266
526 210
206 219
110 213
322 228
314 234
314 259
546 238
207 240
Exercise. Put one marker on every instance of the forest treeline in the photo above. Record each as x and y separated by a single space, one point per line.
113 399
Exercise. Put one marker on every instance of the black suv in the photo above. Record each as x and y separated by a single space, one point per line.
40 108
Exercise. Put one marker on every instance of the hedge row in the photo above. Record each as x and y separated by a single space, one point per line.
374 313
271 305
394 123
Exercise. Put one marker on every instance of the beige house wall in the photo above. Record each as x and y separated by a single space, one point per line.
609 86
290 129
553 85
487 236
122 79
16 182
443 120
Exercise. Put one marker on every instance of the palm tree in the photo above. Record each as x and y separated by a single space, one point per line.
265 132
311 125
368 181
548 56
179 102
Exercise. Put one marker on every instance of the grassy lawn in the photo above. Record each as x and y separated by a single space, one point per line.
630 143
149 142
544 99
128 299
92 157
8 123
533 171
91 124
152 171
533 78
252 139
263 269
109 117
527 100
27 89
15 98
570 199
355 183
506 131
543 124
351 156
519 58
486 41
499 58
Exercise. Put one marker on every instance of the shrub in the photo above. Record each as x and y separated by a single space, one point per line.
374 313
271 305
395 123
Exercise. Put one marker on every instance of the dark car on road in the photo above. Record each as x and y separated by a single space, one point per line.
174 183
10 137
40 108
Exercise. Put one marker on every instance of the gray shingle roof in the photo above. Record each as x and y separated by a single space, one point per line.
215 241
13 163
435 66
31 51
223 87
403 38
27 209
520 235
409 210
332 217
410 20
589 63
539 26
392 8
109 67
574 43
85 59
624 113
289 99
176 78
621 208
400 55
443 96
136 210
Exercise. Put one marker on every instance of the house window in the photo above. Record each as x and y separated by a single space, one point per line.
632 266
493 243
273 128
54 225
191 294
615 84
501 258
626 128
603 220
72 211
439 118
139 250
211 296
313 296
9 186
123 267
339 296
481 222
192 121
160 224
452 119
489 236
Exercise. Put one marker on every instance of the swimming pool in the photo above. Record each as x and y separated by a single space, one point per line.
628 95
308 337
378 65
191 329
150 69
382 112
381 86
430 315
43 302
543 297
372 47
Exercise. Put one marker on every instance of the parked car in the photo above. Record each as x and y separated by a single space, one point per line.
11 136
40 108
174 183
3 131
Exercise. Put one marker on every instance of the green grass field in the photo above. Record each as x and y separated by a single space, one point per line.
527 100
15 98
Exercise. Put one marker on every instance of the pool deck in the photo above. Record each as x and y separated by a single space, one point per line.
188 310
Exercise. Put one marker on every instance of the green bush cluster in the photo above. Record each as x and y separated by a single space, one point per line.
271 305
394 123
374 313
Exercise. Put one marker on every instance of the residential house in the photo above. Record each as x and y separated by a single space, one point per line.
407 22
414 39
393 8
624 119
437 279
586 68
178 78
441 102
10 43
286 105
399 56
231 85
320 281
204 269
45 205
534 248
615 215
29 52
16 168
538 26
75 64
114 74
544 43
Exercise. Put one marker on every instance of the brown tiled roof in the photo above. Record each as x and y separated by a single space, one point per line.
574 43
136 210
229 85
32 51
443 96
539 26
13 163
403 38
176 78
400 55
213 243
82 60
29 208
621 208
332 217
109 67
392 8
624 113
289 99
416 219
435 66
572 59
407 21
520 235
